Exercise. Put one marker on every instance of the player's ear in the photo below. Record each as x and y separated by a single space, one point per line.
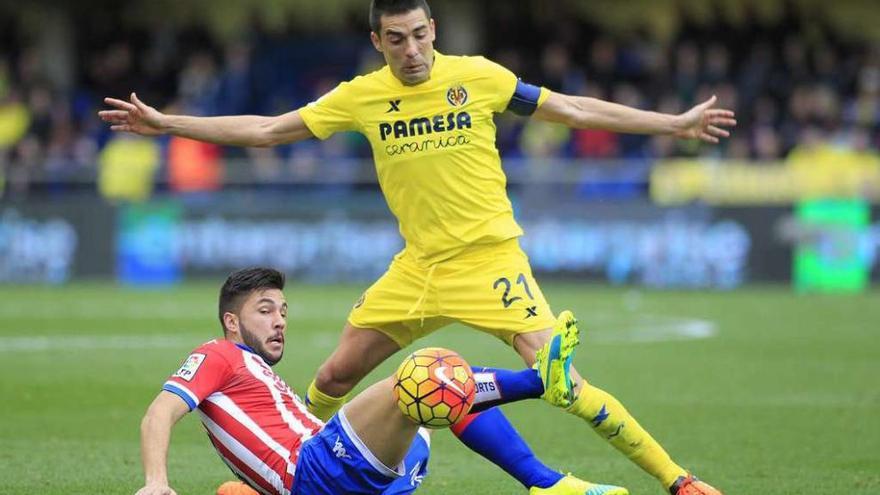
230 322
377 42
433 30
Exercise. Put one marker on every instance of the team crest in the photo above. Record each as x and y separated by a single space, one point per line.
457 95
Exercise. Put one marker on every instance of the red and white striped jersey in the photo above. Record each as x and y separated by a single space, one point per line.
255 421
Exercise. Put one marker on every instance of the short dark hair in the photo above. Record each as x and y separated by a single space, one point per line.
240 284
378 8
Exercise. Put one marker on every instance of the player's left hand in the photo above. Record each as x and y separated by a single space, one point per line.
133 116
705 123
156 489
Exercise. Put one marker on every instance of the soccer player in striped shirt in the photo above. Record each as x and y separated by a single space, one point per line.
429 120
266 436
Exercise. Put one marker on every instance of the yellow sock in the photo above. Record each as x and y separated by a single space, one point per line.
612 422
322 405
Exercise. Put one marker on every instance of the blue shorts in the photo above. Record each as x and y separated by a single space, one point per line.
337 461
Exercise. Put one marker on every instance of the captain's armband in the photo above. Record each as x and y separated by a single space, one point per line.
525 99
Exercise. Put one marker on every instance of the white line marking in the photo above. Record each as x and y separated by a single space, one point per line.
645 328
598 328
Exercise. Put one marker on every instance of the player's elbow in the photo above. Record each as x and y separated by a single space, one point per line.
150 422
146 422
268 134
282 129
567 111
576 120
582 113
579 117
155 414
163 412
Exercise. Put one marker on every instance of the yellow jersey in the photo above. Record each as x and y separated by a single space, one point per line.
434 149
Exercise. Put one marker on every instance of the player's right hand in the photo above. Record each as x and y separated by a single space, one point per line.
156 490
133 116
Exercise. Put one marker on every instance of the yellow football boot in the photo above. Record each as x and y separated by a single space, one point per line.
553 361
569 485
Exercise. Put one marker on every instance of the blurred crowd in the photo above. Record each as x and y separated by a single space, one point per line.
783 94
787 90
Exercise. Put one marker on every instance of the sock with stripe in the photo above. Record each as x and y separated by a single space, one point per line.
499 386
491 435
612 422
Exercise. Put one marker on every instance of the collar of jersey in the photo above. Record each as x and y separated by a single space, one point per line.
245 348
438 58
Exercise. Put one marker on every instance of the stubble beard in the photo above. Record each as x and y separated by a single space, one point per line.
259 347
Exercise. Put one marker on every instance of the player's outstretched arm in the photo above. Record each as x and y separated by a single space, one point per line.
165 411
242 130
700 122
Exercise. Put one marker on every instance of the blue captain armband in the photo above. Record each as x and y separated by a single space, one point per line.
525 99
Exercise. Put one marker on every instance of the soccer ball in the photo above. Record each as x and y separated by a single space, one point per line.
435 387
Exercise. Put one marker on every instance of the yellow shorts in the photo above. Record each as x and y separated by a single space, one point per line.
487 287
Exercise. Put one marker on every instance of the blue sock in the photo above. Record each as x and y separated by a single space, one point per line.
491 435
499 386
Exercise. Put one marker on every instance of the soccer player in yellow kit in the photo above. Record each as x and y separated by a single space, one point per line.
429 120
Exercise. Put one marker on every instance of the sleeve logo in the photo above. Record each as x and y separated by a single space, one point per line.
360 302
190 367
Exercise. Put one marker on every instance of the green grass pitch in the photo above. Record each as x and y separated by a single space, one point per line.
758 390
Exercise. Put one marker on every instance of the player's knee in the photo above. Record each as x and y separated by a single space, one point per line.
336 380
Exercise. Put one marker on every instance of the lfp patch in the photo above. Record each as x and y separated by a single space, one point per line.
190 366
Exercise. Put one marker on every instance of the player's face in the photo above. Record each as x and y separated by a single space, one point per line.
407 43
262 323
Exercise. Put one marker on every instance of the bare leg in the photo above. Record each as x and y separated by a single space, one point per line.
359 351
379 423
